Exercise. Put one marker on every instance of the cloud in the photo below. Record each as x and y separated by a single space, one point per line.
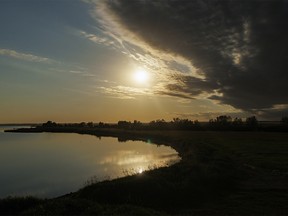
124 92
80 72
24 56
276 112
236 52
97 39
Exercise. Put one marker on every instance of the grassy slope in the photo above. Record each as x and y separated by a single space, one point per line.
233 173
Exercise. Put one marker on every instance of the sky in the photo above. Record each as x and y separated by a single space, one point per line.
110 60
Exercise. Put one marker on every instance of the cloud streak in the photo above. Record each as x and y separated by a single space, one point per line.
124 92
97 39
24 56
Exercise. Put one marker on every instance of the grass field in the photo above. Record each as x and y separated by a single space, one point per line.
221 173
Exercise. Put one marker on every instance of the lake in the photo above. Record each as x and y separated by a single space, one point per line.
48 165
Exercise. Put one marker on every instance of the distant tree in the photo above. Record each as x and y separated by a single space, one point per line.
182 124
137 124
237 122
212 121
159 124
196 123
175 120
124 124
252 122
49 124
223 119
220 122
90 124
82 124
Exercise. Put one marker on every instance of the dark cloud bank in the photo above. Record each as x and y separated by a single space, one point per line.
240 46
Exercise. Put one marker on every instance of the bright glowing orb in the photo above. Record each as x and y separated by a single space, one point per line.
140 170
141 75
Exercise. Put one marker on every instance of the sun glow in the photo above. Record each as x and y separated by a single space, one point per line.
141 76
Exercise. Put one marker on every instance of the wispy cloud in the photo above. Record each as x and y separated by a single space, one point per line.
276 112
124 92
83 73
24 56
97 39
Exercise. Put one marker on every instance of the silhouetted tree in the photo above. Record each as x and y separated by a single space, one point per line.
221 122
158 124
252 122
237 122
82 124
197 125
124 124
90 124
182 124
137 124
100 124
49 124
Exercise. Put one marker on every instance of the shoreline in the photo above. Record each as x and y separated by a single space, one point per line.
217 171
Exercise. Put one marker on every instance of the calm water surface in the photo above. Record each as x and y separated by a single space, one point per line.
53 164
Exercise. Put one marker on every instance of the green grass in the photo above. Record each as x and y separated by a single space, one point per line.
221 173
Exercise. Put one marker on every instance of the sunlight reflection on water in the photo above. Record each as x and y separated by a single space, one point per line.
52 164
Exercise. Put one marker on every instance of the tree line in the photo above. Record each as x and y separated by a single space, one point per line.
222 122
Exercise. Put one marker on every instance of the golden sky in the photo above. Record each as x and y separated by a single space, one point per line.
106 61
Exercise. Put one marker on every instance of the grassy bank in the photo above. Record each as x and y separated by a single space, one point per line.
221 173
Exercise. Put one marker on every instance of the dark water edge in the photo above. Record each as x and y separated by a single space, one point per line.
220 173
